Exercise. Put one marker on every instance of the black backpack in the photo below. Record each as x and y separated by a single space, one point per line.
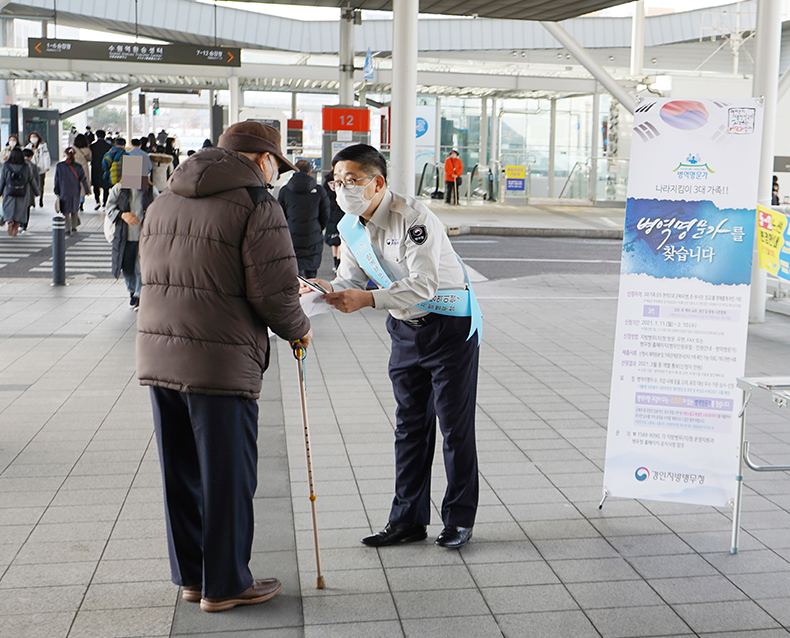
16 183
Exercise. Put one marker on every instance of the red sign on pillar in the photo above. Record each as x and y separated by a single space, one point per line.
345 119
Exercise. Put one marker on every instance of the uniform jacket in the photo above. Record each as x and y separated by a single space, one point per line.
15 208
218 271
307 210
413 249
67 186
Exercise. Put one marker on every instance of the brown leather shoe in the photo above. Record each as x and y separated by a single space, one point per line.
191 593
260 591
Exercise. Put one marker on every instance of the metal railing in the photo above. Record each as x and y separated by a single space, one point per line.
528 160
586 177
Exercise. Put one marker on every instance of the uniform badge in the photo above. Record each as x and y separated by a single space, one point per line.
418 234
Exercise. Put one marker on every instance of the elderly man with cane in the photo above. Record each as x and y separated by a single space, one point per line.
218 271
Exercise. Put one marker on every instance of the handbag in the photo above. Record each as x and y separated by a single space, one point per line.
109 229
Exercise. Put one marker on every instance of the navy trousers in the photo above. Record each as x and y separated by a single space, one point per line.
209 455
433 369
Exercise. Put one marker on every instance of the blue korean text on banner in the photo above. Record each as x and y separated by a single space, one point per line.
367 70
454 303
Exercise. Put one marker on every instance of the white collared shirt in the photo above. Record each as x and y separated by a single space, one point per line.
413 249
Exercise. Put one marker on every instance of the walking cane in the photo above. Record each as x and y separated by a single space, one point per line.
300 354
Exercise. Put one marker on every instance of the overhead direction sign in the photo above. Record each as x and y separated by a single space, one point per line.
134 52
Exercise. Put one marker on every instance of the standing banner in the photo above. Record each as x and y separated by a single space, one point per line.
683 308
773 242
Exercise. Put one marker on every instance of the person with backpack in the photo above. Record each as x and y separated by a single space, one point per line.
112 163
41 159
68 178
16 180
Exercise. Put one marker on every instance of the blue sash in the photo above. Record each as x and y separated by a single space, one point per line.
455 303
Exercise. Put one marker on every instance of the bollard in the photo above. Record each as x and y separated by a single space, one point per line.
59 250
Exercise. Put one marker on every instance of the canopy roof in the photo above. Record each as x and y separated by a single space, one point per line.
552 10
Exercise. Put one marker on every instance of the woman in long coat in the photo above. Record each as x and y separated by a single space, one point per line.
69 176
83 156
40 159
16 172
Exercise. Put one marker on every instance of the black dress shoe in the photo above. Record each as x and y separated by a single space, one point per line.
395 533
453 537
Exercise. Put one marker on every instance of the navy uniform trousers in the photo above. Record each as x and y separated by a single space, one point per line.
209 455
433 369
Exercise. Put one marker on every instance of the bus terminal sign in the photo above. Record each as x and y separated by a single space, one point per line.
133 52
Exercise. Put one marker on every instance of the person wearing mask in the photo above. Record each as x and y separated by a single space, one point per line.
17 180
138 151
401 246
41 159
218 273
11 144
112 164
307 210
31 194
69 178
152 143
99 149
72 135
83 155
89 136
331 234
453 169
126 208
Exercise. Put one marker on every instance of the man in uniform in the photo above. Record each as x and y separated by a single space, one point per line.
433 365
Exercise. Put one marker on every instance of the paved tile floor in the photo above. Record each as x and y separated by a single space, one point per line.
82 548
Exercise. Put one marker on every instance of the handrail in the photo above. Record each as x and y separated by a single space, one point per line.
761 468
570 176
422 176
586 163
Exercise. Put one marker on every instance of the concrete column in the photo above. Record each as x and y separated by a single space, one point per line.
438 136
346 58
483 159
235 99
363 95
552 145
494 130
592 189
766 75
404 95
638 38
129 116
293 105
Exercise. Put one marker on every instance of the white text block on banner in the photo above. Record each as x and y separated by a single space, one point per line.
683 309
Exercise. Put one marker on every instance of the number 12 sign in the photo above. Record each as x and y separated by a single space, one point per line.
345 119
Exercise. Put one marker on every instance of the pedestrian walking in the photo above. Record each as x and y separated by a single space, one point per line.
89 136
453 169
99 149
112 163
69 179
83 155
11 144
31 194
41 159
126 209
401 246
161 169
17 181
331 234
138 151
218 271
170 149
307 210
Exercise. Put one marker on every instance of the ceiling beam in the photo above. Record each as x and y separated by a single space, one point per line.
98 101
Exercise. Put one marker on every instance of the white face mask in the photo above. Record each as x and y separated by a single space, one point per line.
12 143
34 140
353 201
274 167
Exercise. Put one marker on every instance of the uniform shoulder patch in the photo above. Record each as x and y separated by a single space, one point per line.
418 234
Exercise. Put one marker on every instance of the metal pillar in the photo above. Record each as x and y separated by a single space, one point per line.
595 69
235 99
483 156
438 136
552 145
404 95
592 188
293 105
766 74
129 115
346 58
493 133
59 250
638 38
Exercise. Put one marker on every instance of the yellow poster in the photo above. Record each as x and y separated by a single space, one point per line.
771 226
515 172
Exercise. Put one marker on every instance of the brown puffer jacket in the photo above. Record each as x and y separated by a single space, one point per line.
217 271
